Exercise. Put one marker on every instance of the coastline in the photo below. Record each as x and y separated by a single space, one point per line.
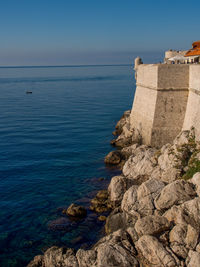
149 199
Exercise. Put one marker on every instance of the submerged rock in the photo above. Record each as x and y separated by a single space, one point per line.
113 158
59 224
100 203
76 211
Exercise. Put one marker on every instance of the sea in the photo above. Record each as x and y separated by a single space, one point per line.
52 147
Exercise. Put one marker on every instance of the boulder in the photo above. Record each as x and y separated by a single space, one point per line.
192 237
76 211
102 218
193 259
124 119
186 213
114 221
117 188
196 181
38 261
141 163
113 157
152 225
86 258
61 257
174 194
177 240
116 250
139 201
100 203
155 253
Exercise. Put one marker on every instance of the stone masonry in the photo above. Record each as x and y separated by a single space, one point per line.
167 100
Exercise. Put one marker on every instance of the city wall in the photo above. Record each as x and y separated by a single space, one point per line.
192 116
167 100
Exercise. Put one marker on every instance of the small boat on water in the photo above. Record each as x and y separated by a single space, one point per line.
28 92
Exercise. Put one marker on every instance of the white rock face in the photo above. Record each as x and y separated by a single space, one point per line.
55 255
140 164
139 201
155 253
117 188
115 250
193 259
151 225
174 194
196 181
177 240
86 258
186 213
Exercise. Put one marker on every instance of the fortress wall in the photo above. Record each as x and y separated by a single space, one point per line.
147 75
173 76
169 116
192 117
160 102
143 109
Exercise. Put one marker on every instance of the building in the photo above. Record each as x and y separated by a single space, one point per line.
167 100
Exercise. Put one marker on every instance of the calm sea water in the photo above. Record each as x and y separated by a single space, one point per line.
52 146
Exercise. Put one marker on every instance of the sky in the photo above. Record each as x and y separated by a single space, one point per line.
70 32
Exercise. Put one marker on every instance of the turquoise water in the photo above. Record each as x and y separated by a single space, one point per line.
53 142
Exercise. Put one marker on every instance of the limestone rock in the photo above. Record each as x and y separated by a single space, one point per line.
124 119
129 150
186 213
139 201
196 181
102 218
140 164
191 237
38 261
177 240
198 248
117 188
155 253
174 193
151 225
76 211
114 222
193 259
116 250
60 257
86 258
100 203
113 157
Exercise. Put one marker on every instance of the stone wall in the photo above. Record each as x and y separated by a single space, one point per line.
192 117
160 102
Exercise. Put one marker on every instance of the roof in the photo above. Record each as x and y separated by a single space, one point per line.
194 51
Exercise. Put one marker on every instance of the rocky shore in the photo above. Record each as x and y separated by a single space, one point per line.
155 203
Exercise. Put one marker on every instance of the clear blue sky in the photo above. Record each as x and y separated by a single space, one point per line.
43 32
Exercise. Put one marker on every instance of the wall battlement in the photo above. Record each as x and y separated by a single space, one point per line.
167 100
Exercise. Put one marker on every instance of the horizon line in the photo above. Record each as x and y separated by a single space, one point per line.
63 66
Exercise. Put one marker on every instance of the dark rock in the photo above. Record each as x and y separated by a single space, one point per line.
38 261
102 218
114 157
100 203
76 211
59 224
114 222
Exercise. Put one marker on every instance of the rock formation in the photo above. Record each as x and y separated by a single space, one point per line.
155 220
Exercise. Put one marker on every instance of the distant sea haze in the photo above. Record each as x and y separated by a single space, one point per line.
90 58
53 143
